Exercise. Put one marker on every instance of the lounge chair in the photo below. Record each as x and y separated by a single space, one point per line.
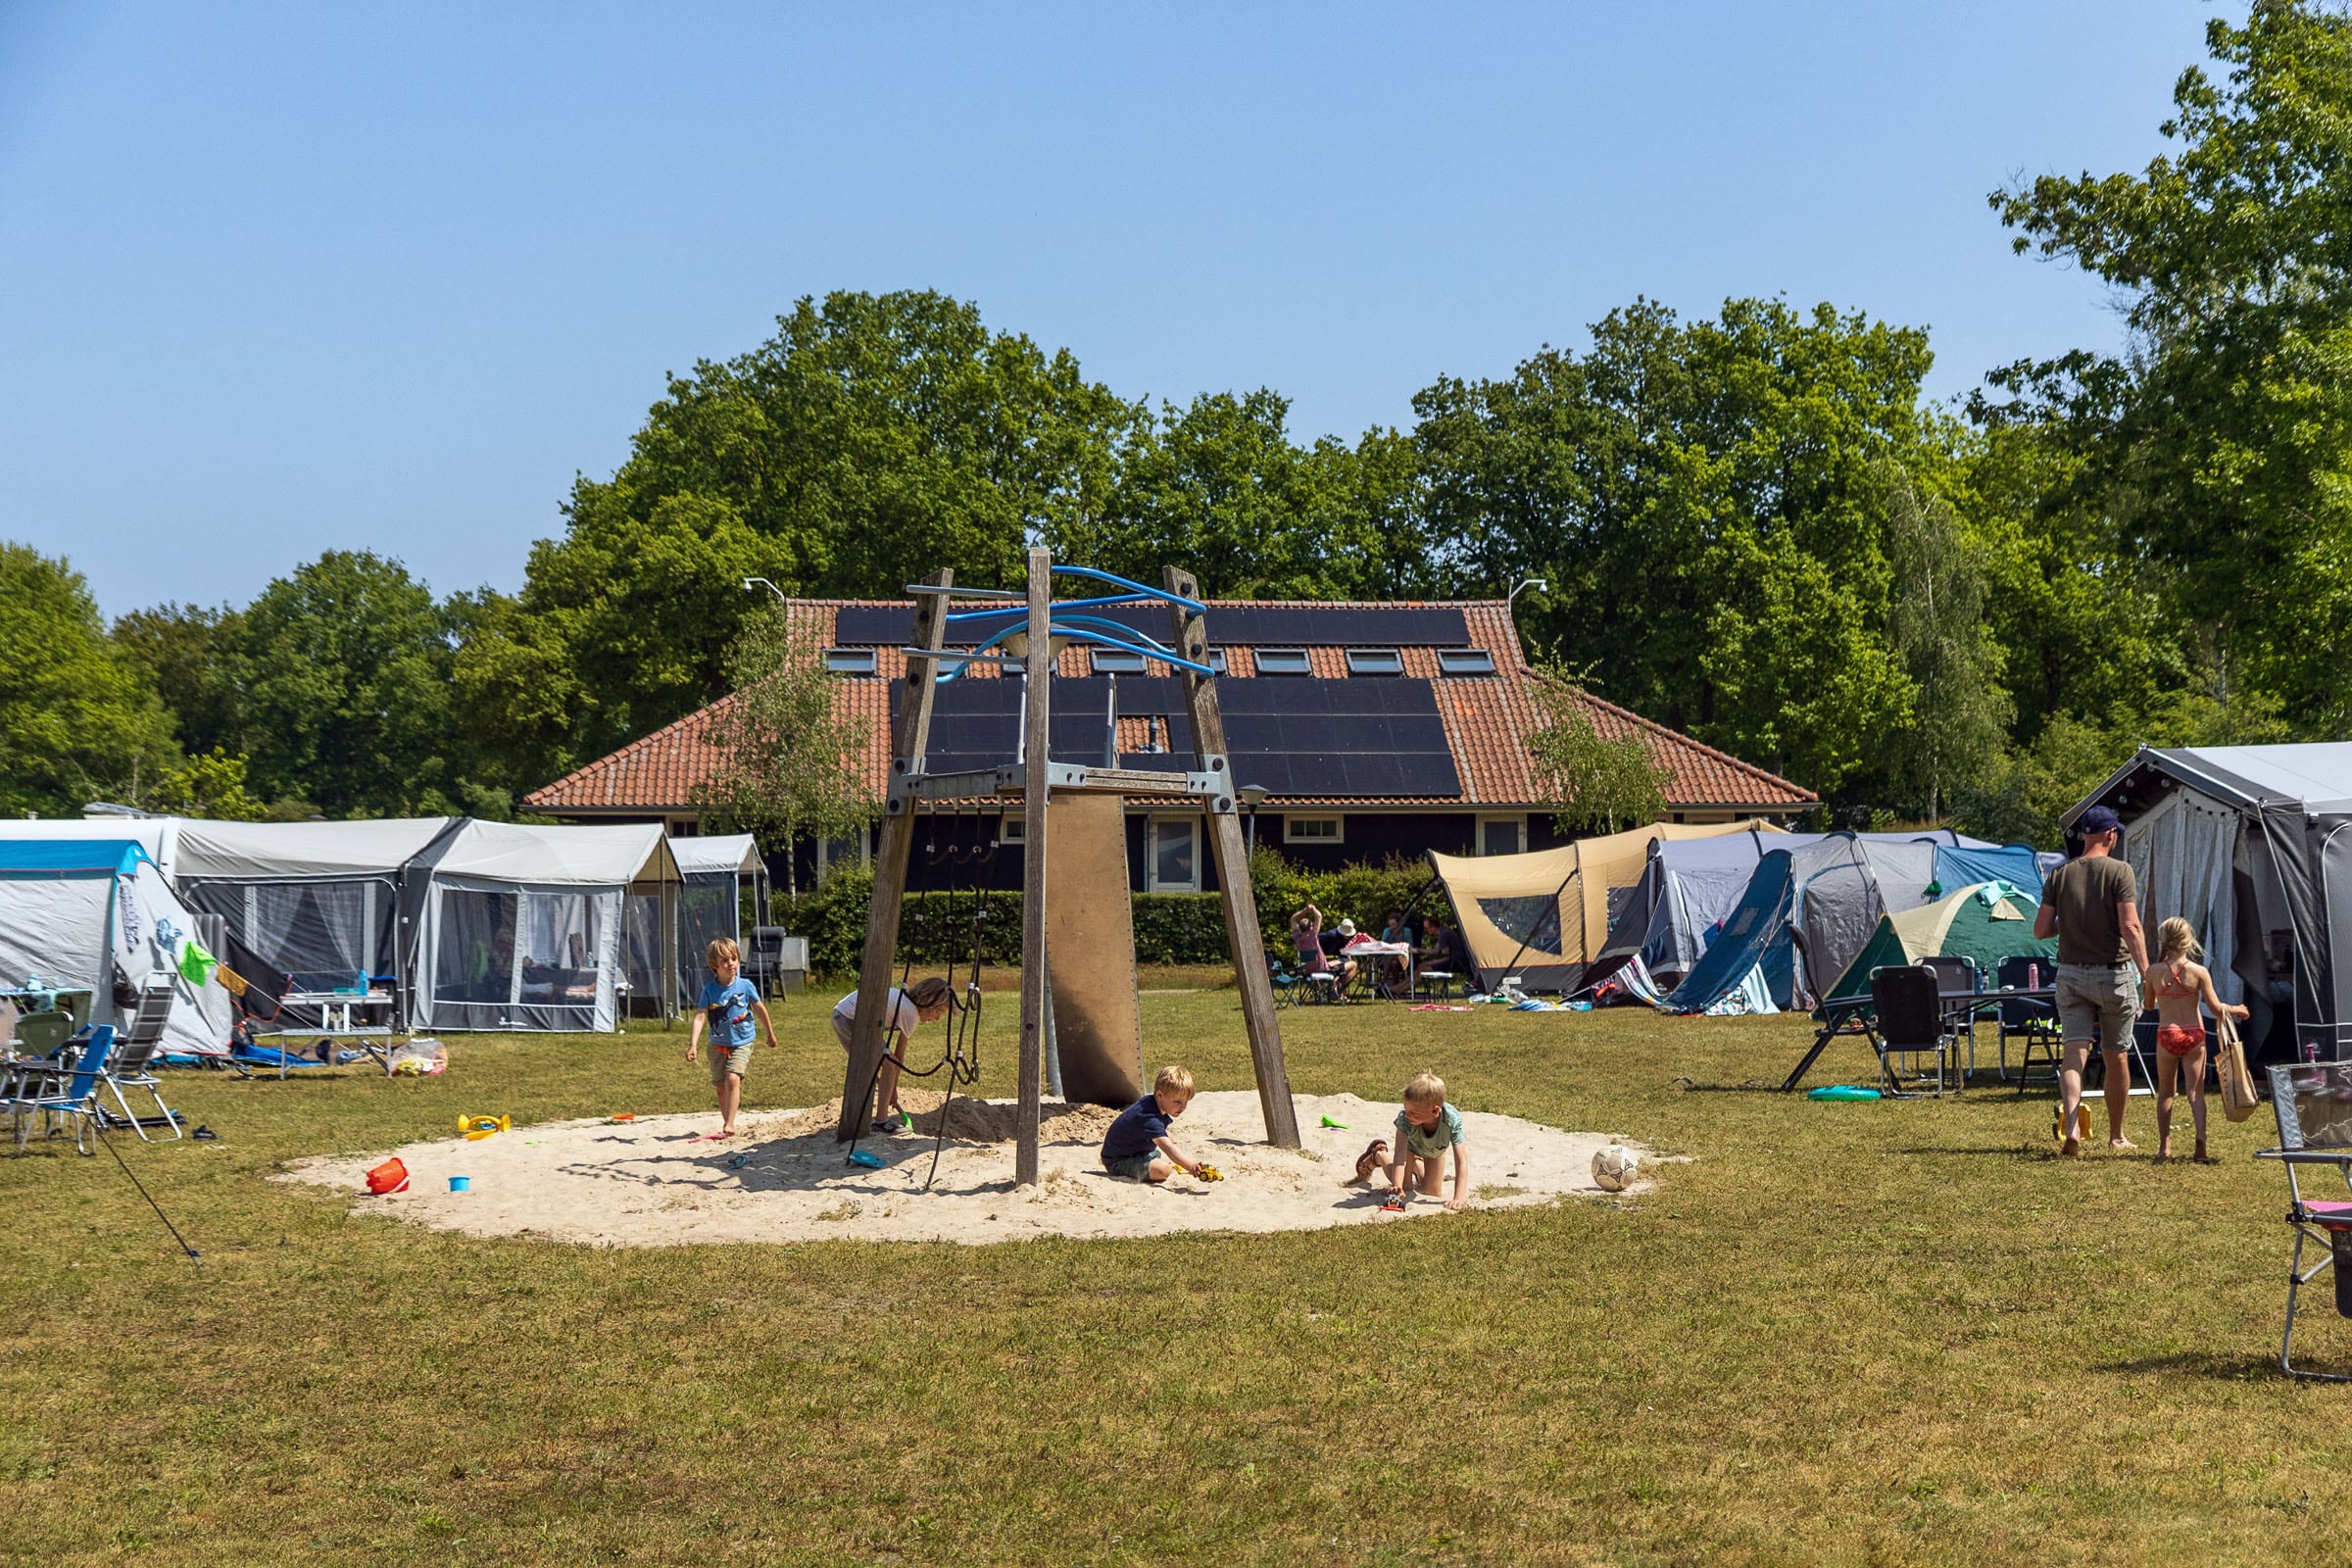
128 1067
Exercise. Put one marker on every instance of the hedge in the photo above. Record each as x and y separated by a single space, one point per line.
936 929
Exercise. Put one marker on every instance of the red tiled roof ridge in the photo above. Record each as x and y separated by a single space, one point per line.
700 719
1679 738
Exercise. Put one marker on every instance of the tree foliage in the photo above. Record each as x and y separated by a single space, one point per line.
1591 784
78 720
788 755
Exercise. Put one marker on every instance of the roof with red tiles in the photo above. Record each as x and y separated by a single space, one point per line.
1487 718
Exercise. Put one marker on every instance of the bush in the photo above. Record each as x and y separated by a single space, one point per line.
936 929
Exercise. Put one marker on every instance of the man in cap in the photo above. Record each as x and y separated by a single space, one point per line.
2092 905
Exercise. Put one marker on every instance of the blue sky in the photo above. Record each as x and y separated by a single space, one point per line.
280 279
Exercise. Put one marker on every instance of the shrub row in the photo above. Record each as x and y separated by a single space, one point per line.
937 929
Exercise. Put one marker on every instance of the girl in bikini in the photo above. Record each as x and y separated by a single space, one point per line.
2176 987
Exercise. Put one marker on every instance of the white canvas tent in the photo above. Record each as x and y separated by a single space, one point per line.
521 928
714 872
312 905
157 836
78 911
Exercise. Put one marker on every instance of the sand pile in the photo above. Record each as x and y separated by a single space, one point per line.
651 1182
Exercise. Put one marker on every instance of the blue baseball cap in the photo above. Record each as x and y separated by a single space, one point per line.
2098 819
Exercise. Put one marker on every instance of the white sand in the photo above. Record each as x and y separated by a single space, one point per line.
648 1183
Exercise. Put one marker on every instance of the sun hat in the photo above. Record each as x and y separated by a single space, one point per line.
1347 928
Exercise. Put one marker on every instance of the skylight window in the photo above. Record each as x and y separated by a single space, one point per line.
1465 662
1118 661
1282 661
849 661
1375 662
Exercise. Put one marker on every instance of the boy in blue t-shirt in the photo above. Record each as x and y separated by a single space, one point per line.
1138 1147
1427 1130
726 1008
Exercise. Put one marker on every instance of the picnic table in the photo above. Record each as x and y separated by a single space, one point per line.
1363 947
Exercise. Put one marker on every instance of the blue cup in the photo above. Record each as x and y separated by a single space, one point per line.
461 1184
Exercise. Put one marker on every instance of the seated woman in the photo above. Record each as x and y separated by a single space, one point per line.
1306 935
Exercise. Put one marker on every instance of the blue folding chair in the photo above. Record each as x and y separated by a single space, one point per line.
2313 1102
51 1093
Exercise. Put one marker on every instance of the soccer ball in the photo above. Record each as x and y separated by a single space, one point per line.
1615 1167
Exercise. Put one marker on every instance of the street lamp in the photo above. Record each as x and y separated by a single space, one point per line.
1524 583
1252 796
749 584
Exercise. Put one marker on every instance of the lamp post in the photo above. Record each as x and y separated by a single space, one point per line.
1523 584
1252 796
749 584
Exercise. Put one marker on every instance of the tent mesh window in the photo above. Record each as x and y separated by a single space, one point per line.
1533 919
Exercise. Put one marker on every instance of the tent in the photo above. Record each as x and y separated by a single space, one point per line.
1808 910
310 905
1691 887
1987 921
520 927
84 911
2249 843
713 872
1544 916
157 836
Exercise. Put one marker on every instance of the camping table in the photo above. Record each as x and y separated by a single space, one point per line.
336 1022
1367 948
1852 1016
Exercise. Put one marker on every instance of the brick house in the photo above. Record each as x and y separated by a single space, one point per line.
1374 729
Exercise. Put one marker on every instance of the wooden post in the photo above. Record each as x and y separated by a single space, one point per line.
1232 861
1034 979
908 745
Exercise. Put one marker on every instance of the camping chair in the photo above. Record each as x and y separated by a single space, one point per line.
1910 1023
1286 982
1956 977
2024 1018
128 1067
2313 1102
51 1093
1435 981
763 965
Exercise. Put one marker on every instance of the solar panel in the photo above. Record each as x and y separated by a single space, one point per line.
1368 738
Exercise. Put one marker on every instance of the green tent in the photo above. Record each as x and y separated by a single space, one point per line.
1987 921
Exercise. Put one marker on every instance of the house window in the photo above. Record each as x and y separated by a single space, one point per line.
1175 858
1375 662
849 661
1501 835
1282 661
836 851
1118 661
1216 659
1465 662
1312 830
1012 829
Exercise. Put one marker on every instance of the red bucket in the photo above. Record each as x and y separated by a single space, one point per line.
390 1177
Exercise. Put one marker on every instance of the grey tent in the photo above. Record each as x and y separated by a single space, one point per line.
1691 886
2249 843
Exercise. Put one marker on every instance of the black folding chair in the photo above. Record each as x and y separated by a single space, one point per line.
1956 980
1911 1023
2313 1102
2027 1019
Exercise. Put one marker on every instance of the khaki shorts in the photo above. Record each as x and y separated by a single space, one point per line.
2091 993
725 1059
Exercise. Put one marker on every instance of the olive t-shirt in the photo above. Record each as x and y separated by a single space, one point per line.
2083 894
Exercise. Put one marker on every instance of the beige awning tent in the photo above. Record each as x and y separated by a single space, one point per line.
1543 915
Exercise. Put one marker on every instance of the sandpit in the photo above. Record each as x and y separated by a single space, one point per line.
782 1178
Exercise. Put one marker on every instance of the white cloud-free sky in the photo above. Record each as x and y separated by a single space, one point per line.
279 279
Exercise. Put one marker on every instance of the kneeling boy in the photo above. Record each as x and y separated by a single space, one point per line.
1426 1128
1138 1146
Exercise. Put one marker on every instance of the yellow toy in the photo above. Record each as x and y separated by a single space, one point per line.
477 1128
1210 1173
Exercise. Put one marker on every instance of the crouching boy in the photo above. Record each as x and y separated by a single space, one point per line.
1138 1147
1425 1129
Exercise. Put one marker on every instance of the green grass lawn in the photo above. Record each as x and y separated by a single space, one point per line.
1841 1333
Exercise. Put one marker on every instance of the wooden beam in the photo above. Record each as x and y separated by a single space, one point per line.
908 745
1038 794
1232 860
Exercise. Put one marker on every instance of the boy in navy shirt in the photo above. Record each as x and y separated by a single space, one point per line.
1138 1147
727 1006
